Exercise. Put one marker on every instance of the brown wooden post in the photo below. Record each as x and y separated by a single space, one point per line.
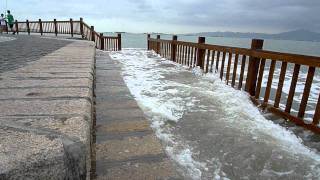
119 42
101 41
28 27
81 27
93 38
174 48
148 41
201 53
17 27
71 27
55 27
40 27
254 63
158 45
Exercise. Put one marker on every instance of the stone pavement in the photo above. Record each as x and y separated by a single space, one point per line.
45 108
19 52
126 147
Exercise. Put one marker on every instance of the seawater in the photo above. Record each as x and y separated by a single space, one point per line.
131 40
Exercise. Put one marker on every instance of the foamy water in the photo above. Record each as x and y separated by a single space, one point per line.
313 96
211 130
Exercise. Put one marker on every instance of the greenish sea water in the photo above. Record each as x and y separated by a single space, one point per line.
131 40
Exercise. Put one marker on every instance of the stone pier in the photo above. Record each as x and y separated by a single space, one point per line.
66 115
45 108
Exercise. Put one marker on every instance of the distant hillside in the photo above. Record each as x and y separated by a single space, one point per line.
298 35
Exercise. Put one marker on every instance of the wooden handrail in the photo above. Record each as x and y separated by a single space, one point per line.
287 57
71 27
110 37
48 22
215 60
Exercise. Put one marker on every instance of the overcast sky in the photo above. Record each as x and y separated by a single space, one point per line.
177 16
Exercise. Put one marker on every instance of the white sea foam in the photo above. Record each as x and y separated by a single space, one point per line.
150 89
237 104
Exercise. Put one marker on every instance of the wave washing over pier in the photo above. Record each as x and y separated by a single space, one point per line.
221 112
211 130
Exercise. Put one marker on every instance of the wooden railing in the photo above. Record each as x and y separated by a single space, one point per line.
71 27
239 66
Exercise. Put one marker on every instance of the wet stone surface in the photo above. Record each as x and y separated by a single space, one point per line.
212 130
125 146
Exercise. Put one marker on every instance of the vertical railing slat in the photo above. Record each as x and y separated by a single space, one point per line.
183 55
40 27
222 64
243 65
292 87
306 92
55 27
235 67
191 57
316 117
260 78
212 61
188 57
217 62
280 84
228 68
208 61
269 83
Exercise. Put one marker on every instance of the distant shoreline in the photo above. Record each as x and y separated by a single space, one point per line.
298 35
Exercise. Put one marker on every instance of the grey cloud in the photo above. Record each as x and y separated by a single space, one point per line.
245 15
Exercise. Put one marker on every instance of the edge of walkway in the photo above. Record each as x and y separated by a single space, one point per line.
125 146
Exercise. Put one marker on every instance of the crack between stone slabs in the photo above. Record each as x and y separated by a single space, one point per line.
121 135
45 78
47 87
149 158
49 98
51 134
55 116
62 72
52 72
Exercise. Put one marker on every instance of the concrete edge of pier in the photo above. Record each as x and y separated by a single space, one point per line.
46 115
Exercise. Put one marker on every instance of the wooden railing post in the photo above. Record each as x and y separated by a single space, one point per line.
17 27
148 41
101 41
119 42
81 27
174 48
93 38
55 27
254 63
28 27
201 53
158 45
71 27
40 27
